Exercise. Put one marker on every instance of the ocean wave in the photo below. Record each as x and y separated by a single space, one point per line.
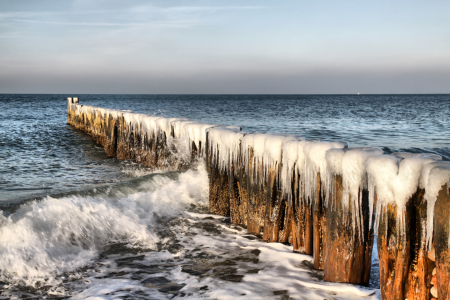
44 238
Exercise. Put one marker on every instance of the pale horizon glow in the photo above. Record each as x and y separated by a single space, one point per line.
224 47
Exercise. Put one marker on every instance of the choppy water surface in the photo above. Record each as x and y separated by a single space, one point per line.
77 224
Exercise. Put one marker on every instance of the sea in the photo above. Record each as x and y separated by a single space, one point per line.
75 224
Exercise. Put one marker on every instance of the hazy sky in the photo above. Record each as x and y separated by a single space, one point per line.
100 46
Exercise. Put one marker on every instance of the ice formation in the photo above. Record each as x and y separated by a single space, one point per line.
424 155
267 152
434 176
195 133
290 157
225 145
350 165
185 131
394 180
314 162
305 158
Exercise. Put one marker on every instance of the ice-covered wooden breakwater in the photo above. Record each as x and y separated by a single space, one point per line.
324 198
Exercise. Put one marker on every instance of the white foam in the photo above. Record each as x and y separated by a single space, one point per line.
52 236
58 235
112 289
279 269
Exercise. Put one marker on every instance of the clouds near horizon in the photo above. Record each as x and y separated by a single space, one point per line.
138 46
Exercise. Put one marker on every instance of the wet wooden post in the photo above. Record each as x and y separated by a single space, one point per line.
300 213
237 182
156 152
405 266
256 205
111 136
441 238
219 193
349 244
319 227
125 139
394 251
418 281
277 227
235 197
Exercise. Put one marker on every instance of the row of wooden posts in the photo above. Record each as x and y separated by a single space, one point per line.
408 268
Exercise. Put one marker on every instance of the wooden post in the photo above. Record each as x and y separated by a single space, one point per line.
219 194
405 269
441 238
319 227
124 139
418 282
300 213
394 252
349 244
277 222
111 133
238 193
256 197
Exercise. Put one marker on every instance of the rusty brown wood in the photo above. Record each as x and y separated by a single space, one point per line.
349 246
256 205
277 224
238 192
238 197
418 281
405 267
319 227
394 253
219 192
441 238
405 264
300 214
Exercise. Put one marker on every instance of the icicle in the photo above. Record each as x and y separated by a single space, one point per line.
434 176
311 160
225 145
349 163
256 143
195 133
267 151
394 180
288 162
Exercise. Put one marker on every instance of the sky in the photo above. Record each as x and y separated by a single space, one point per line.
224 47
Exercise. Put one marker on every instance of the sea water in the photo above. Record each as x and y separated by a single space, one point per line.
76 224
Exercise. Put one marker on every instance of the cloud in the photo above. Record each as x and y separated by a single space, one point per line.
127 17
159 24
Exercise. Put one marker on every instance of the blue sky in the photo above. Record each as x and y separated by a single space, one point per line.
99 46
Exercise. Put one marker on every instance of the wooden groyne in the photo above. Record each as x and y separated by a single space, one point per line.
323 198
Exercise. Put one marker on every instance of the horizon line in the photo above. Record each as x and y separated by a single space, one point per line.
357 94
